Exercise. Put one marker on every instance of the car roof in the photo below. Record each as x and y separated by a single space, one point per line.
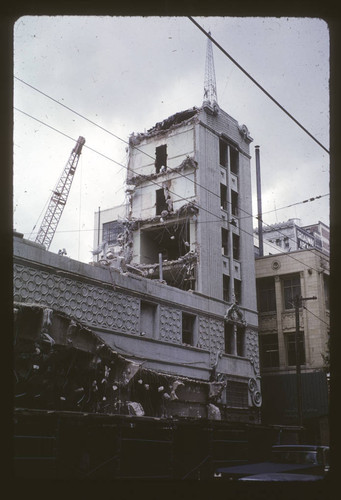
277 476
261 468
298 447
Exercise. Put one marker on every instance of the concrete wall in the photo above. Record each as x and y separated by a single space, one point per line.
109 303
179 145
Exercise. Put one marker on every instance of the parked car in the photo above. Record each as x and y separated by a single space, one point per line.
288 463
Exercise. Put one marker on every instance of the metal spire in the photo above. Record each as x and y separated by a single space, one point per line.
210 87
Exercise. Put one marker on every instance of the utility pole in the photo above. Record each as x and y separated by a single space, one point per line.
298 303
259 203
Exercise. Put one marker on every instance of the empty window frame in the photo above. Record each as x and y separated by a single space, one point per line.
228 338
240 341
111 230
234 160
160 201
148 319
236 246
238 291
268 350
226 288
188 324
290 343
223 154
266 295
234 202
160 157
291 289
223 196
224 241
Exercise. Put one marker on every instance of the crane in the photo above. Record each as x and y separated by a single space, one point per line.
59 197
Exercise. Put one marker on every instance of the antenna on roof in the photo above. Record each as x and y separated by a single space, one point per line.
210 87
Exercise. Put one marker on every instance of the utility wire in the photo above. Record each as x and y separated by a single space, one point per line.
180 198
257 84
317 317
114 135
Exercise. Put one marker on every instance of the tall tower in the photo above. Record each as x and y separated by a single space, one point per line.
210 87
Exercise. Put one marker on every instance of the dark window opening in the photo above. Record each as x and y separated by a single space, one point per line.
224 241
223 196
160 201
291 348
266 295
234 159
326 290
188 328
160 157
236 249
148 319
268 350
238 290
222 153
240 341
291 288
111 230
228 337
173 241
234 202
226 286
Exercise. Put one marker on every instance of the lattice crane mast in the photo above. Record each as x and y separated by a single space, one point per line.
59 197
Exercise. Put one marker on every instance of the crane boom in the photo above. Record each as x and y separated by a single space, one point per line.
59 197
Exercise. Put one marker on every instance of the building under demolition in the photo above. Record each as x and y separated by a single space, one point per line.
171 291
163 322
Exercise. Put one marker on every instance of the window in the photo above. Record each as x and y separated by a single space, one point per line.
226 286
326 290
235 243
160 201
240 340
222 153
160 157
291 289
234 158
111 230
266 295
224 241
237 394
223 196
228 338
291 348
148 319
234 202
268 350
188 321
238 290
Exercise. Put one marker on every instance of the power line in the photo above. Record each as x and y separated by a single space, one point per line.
257 84
317 317
180 198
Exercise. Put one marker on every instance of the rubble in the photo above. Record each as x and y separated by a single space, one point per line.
137 179
169 123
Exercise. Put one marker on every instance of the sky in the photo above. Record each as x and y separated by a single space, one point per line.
104 78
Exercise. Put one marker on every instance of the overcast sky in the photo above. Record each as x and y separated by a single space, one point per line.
128 73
